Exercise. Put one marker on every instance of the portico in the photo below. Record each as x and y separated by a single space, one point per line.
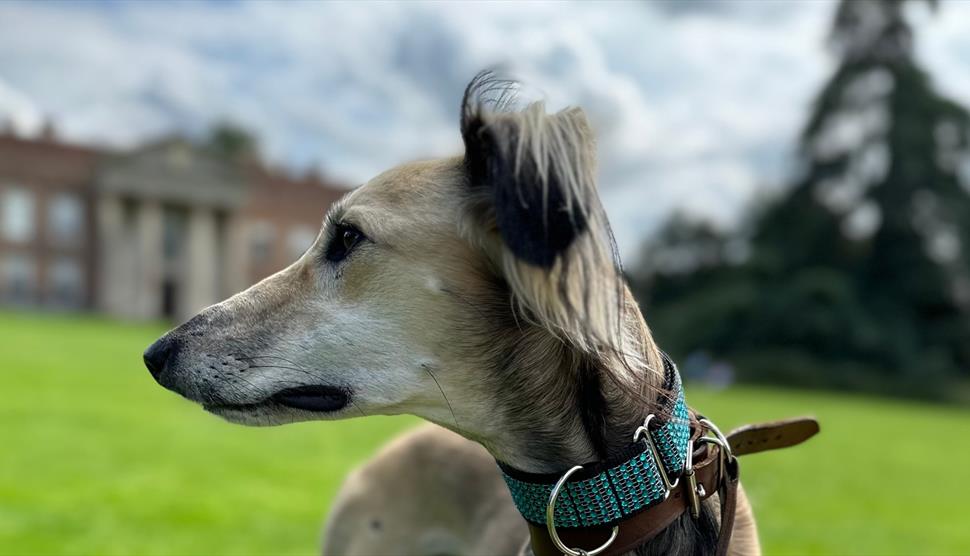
165 215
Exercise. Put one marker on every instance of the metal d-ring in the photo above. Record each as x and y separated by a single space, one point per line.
551 522
722 440
724 453
644 430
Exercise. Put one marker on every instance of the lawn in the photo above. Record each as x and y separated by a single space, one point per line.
97 459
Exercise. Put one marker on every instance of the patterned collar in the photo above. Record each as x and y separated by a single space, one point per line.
605 493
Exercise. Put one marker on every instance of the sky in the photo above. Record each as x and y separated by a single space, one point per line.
696 104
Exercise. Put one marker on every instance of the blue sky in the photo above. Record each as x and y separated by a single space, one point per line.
696 104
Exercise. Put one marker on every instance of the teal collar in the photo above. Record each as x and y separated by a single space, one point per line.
605 493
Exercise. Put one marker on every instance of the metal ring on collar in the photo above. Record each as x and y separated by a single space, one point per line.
551 522
644 431
724 453
725 445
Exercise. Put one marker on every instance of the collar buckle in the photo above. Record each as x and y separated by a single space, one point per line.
643 432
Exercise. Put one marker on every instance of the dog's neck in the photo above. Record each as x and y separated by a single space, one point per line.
563 408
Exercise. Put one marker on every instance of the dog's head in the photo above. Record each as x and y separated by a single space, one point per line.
448 289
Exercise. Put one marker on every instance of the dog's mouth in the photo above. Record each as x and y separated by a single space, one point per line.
316 399
313 398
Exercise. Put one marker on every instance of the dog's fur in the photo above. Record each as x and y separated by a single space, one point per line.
427 492
486 298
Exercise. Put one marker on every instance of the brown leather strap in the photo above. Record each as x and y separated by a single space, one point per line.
729 504
751 439
643 526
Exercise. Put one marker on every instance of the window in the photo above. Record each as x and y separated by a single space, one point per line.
65 219
299 240
261 236
17 215
18 279
66 283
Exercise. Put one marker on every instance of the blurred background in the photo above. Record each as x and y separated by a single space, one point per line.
789 185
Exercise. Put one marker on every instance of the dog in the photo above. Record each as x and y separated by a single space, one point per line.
480 292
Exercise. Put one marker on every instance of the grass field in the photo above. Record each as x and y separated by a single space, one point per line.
97 459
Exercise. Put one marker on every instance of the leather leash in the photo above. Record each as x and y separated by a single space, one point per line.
714 471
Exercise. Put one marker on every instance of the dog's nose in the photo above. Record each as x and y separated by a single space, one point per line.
157 356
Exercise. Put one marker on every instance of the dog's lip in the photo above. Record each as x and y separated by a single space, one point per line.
314 398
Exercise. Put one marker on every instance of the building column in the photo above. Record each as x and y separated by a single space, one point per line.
235 277
115 271
148 257
201 278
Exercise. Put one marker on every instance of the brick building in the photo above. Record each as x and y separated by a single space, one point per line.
157 232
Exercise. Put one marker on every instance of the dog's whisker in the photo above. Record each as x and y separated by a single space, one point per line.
289 367
447 401
464 300
254 357
235 385
281 367
306 373
294 366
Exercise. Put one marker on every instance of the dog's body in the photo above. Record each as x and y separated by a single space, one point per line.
479 292
429 491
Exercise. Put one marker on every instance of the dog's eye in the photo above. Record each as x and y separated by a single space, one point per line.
345 238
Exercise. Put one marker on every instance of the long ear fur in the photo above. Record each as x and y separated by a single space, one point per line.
533 177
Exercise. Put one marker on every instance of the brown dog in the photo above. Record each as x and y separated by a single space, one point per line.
480 292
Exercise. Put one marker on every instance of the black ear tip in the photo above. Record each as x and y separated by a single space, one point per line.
536 226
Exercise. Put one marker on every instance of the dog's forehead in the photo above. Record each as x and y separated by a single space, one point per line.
430 185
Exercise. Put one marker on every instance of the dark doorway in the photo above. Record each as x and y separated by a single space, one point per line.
169 298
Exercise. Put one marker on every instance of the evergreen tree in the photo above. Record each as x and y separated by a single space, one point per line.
865 258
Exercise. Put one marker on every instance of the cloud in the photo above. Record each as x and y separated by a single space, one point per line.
18 111
695 109
943 45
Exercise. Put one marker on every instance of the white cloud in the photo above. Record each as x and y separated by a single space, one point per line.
695 109
18 111
943 44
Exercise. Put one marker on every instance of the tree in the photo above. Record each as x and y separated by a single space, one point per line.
865 258
233 142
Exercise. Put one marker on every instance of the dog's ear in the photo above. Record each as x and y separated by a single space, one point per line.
535 204
537 167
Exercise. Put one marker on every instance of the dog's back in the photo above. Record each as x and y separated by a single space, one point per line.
428 492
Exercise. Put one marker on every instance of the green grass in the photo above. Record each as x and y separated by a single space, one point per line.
97 459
